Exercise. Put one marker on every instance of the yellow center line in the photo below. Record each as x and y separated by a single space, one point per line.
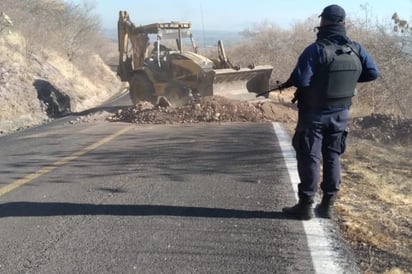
30 177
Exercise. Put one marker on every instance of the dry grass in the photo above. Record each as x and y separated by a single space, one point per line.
375 201
375 204
395 271
12 48
17 96
86 91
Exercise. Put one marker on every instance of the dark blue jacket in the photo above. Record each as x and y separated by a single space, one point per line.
312 57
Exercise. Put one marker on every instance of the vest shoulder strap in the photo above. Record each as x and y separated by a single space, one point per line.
331 49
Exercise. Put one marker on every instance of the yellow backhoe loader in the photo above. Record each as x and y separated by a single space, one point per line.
173 69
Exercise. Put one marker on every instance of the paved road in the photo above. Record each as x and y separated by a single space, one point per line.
119 198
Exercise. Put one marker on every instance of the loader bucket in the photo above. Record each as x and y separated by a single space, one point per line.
242 83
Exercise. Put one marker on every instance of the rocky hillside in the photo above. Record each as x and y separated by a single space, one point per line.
39 86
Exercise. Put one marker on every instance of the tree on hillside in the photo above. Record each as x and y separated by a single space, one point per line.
77 26
269 44
54 24
392 52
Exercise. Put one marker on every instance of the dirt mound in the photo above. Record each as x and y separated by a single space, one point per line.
206 109
382 128
377 127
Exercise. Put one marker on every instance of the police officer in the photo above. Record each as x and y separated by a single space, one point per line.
325 76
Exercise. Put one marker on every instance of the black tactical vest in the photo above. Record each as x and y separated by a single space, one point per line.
333 85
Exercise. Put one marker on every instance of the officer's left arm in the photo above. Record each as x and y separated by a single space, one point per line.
370 71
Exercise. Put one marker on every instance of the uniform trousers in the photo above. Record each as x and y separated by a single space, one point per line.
320 138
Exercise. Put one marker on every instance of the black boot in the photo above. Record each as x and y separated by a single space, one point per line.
302 210
325 208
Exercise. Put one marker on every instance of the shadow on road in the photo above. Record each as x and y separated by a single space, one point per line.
35 209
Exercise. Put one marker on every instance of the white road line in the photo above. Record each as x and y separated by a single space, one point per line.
324 259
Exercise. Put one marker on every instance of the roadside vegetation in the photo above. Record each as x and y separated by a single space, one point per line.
55 60
269 44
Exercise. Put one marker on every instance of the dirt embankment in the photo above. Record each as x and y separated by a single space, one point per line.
36 87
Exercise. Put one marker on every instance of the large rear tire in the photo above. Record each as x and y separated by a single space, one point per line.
141 89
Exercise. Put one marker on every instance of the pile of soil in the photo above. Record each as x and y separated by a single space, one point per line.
206 109
382 128
377 127
386 129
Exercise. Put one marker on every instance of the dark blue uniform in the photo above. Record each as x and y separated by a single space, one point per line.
321 130
322 119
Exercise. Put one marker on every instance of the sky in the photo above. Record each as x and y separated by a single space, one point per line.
238 15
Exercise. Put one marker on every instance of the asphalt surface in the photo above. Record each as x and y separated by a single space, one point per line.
118 198
156 199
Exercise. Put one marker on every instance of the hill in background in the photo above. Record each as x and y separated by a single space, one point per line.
203 38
